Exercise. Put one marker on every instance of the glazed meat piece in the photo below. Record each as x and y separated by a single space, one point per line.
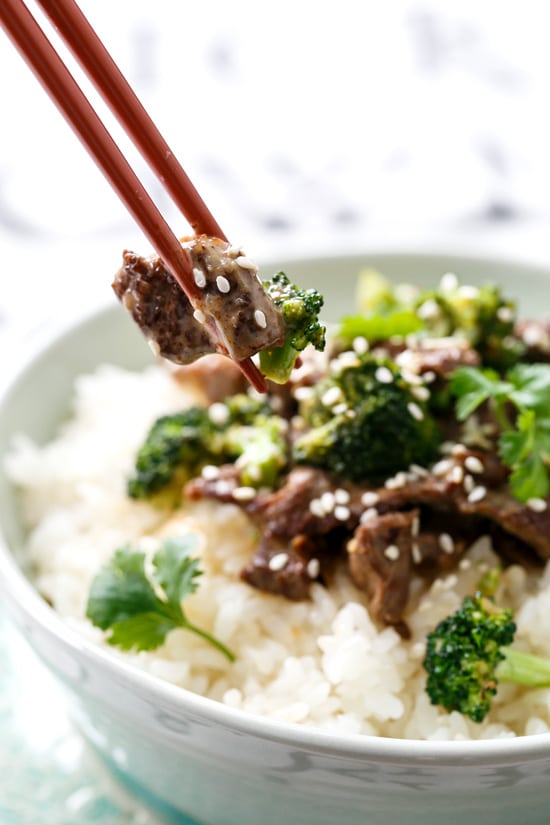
380 563
420 522
232 315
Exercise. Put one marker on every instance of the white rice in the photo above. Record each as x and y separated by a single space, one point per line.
322 662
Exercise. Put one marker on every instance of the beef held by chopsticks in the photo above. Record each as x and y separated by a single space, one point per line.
233 314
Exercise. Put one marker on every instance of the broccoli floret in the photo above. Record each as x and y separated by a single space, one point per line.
365 424
479 314
469 653
300 309
175 449
260 450
241 429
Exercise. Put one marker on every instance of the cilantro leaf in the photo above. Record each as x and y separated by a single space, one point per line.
473 387
138 612
531 384
175 571
530 478
524 445
121 590
143 631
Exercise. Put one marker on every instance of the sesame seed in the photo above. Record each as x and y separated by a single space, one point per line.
477 494
327 500
418 470
223 284
464 564
442 467
468 292
369 514
384 375
410 377
370 498
446 543
153 346
429 376
313 568
416 553
254 472
199 277
459 449
303 393
218 413
538 505
316 508
449 282
505 314
415 411
415 526
259 317
398 480
340 409
341 512
223 488
532 335
199 316
278 561
341 496
360 345
209 472
429 309
473 464
247 263
331 396
421 393
469 483
457 475
244 493
392 552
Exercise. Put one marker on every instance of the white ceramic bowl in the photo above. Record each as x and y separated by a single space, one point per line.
193 757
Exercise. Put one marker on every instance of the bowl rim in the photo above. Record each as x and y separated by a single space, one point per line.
20 596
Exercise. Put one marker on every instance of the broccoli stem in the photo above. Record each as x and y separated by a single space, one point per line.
277 363
523 668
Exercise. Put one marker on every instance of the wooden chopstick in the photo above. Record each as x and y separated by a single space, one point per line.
46 63
102 70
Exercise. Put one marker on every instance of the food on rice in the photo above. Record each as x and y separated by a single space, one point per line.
348 574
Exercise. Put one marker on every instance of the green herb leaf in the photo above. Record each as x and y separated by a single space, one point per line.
524 446
121 590
138 613
473 386
175 571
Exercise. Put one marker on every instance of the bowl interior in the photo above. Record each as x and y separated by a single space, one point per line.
37 401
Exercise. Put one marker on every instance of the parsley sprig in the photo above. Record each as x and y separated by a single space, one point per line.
521 405
139 610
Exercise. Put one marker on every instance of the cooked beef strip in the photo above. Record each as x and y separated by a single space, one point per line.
294 521
381 564
233 314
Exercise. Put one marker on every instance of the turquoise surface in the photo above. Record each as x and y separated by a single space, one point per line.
48 774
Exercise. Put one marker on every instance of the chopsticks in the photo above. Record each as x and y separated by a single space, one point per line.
46 63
